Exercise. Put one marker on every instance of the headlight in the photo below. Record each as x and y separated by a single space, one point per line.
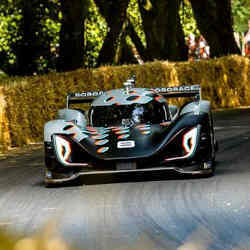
189 143
63 149
189 140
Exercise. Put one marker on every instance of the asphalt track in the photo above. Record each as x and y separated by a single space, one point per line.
146 211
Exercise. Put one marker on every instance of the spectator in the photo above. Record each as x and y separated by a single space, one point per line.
203 48
247 40
137 56
191 43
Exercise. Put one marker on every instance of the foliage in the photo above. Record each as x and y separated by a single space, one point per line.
187 19
11 32
95 32
135 18
48 13
50 27
9 18
241 14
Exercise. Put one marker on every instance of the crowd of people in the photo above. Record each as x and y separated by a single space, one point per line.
197 47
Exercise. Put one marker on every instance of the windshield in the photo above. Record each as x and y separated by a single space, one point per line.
104 116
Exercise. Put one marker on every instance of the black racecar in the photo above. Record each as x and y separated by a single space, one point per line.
130 130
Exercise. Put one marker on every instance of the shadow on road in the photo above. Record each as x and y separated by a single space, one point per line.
134 177
100 179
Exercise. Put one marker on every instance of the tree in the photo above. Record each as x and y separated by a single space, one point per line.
71 50
30 31
214 20
241 14
27 45
27 34
94 35
33 49
187 19
9 19
115 14
163 31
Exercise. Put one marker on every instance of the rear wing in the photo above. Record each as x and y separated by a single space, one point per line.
180 91
82 97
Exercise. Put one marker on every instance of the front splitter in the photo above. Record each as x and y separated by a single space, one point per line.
49 180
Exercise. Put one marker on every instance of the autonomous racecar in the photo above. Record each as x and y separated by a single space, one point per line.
130 130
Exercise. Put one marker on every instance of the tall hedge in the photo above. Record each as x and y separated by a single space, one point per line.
27 103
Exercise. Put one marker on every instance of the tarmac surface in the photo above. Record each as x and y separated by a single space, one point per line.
145 211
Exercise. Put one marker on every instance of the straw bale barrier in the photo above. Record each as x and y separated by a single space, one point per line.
46 238
27 103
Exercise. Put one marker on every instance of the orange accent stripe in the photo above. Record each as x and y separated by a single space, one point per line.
97 143
100 150
91 129
112 98
147 132
165 123
158 98
141 126
68 127
116 129
117 132
95 136
123 136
